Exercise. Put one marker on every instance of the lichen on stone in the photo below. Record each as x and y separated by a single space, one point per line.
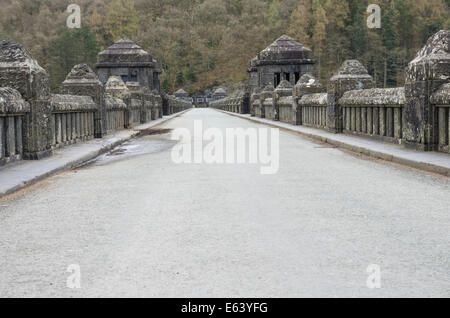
11 102
316 99
374 97
66 103
441 96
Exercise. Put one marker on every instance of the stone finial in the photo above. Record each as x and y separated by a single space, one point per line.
134 86
11 102
353 67
436 48
425 74
433 57
11 52
351 75
20 71
115 87
82 81
267 92
81 72
256 92
307 84
284 89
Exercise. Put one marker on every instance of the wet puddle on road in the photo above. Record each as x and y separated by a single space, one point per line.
150 141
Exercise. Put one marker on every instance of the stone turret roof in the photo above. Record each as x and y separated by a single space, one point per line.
437 47
81 73
220 91
125 52
13 54
352 69
309 81
115 87
181 92
284 50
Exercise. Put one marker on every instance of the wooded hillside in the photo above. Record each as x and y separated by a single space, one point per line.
201 43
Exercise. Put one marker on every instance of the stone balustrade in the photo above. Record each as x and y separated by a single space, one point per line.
239 103
417 115
33 122
13 110
176 105
441 101
115 114
374 112
312 109
72 119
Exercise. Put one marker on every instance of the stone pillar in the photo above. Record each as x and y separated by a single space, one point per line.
306 85
283 90
18 70
266 93
254 97
115 87
83 81
429 70
137 94
351 76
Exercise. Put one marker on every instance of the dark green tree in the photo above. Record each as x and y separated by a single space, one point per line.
71 47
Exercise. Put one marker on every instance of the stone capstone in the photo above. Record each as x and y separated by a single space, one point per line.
71 103
11 102
374 97
307 84
442 95
115 87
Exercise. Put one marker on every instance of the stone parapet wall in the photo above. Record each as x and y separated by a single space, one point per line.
176 105
115 114
312 109
374 112
72 119
13 110
417 115
440 100
239 103
33 122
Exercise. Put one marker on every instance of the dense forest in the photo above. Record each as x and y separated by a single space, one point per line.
202 43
